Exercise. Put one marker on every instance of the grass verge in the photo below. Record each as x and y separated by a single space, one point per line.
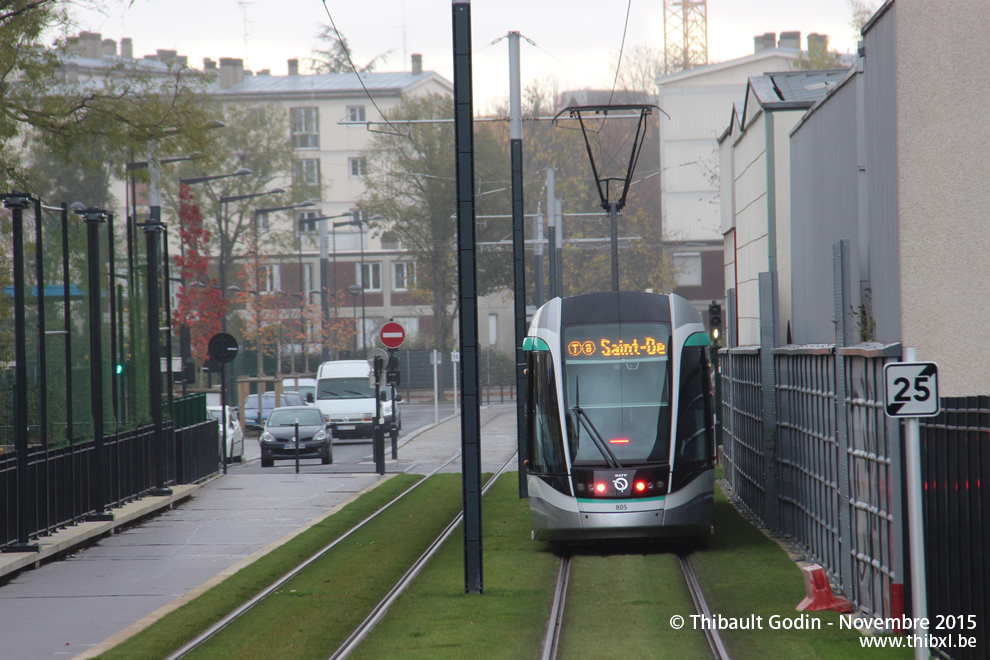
181 625
619 606
743 573
434 618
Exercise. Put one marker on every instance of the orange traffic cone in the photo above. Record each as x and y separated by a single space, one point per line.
818 592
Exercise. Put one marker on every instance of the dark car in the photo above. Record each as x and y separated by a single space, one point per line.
251 417
278 441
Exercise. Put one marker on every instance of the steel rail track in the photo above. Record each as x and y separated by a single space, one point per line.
719 649
551 638
378 613
200 639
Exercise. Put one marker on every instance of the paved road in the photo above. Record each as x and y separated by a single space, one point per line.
77 606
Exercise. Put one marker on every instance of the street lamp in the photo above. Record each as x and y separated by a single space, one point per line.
220 224
354 290
324 303
360 225
272 209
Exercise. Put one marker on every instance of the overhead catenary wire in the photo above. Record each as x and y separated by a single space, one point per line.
622 47
371 98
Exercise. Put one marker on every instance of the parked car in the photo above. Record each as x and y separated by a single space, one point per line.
278 440
235 436
305 386
252 420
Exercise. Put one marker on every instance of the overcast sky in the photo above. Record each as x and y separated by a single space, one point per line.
577 41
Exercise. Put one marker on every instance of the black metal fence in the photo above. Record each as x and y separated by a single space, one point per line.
78 431
832 460
955 452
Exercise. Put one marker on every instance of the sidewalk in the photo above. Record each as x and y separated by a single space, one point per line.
107 590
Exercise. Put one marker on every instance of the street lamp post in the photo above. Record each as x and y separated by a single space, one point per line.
273 209
360 225
354 290
324 258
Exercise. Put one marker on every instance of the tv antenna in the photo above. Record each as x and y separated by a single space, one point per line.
244 5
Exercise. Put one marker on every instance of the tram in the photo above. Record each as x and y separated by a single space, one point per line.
619 414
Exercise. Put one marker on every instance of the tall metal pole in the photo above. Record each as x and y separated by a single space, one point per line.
552 230
613 213
153 231
324 294
916 527
364 331
26 506
518 252
94 218
538 259
467 279
559 249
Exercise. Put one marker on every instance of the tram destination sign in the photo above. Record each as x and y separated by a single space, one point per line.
607 347
911 389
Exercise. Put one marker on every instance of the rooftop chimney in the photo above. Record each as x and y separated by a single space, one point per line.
417 64
765 41
790 40
167 57
209 65
293 67
109 48
92 45
127 48
231 72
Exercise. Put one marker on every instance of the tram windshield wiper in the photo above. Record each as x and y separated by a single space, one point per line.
596 437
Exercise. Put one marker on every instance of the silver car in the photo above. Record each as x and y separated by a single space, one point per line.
235 436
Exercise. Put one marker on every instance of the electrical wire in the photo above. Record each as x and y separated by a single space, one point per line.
622 47
363 86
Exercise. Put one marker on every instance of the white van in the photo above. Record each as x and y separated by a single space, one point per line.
347 401
305 386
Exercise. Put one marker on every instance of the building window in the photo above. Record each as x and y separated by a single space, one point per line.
357 167
403 275
307 225
305 128
687 266
306 172
273 278
372 280
355 113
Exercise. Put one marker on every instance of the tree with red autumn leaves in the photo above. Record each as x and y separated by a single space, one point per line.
201 308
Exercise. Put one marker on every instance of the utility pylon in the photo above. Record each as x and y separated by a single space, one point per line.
685 34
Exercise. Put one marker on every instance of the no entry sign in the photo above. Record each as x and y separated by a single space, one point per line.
392 335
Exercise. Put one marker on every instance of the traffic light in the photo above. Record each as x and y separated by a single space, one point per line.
119 369
715 320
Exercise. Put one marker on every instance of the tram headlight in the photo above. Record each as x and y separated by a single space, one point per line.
600 487
640 486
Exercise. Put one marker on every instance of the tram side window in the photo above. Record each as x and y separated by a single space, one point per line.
695 435
546 449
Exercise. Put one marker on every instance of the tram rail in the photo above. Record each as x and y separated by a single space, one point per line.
376 615
554 627
379 611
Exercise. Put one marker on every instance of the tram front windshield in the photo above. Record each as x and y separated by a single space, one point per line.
616 385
